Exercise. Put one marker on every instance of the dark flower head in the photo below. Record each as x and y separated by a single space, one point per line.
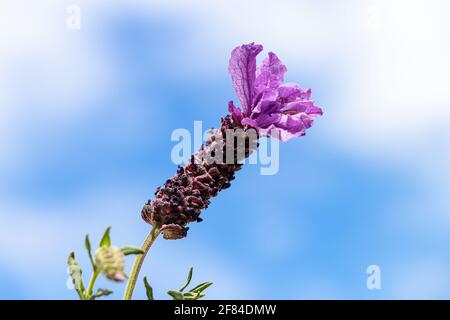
274 108
183 197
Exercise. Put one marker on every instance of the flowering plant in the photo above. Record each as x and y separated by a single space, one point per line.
268 108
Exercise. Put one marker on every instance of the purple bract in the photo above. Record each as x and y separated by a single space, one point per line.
274 108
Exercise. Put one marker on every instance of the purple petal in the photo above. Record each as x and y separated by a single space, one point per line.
268 107
293 126
295 123
285 135
270 73
236 113
284 111
291 91
266 102
250 122
314 111
288 127
242 68
279 133
300 106
266 120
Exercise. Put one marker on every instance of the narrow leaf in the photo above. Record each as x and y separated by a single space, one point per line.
106 240
101 293
193 296
148 289
201 287
131 250
175 295
189 278
87 244
75 273
189 296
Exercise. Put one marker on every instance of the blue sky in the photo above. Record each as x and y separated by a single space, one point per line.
86 118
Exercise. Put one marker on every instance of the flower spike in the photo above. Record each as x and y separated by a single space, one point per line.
269 107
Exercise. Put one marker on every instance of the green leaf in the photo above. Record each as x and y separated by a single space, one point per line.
189 278
87 244
101 293
131 250
193 296
76 275
175 295
106 240
201 287
189 296
148 289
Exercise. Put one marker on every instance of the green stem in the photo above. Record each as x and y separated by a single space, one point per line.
138 263
91 284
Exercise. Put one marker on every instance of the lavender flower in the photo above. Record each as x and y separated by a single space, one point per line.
268 106
274 108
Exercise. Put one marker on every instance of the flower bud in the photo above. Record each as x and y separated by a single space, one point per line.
111 262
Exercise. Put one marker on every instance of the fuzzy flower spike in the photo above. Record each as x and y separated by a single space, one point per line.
268 105
274 108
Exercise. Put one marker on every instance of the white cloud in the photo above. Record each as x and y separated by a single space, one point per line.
397 84
47 73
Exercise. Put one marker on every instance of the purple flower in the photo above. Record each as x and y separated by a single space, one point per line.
274 108
270 106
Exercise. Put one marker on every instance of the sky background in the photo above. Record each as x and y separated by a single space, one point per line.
86 118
